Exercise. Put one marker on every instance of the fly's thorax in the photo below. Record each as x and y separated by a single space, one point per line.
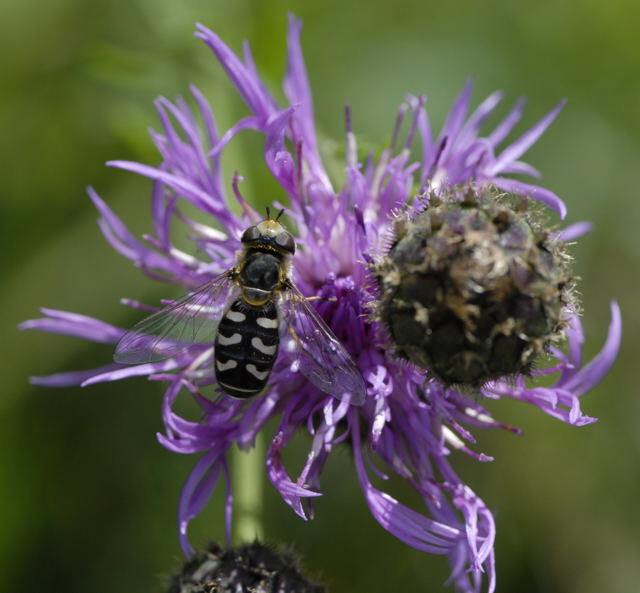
260 269
260 273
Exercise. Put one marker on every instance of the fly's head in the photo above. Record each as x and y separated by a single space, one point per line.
270 235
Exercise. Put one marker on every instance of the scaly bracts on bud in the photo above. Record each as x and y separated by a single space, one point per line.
474 287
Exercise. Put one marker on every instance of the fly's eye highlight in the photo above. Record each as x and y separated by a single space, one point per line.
474 288
251 234
286 242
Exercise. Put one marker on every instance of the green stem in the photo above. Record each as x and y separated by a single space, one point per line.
248 471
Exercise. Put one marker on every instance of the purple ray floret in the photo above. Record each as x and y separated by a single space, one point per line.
411 425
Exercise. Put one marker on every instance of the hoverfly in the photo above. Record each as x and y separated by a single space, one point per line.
245 313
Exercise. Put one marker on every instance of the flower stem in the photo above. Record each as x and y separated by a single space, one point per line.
248 471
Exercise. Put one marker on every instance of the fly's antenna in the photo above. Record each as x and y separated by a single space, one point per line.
279 214
268 213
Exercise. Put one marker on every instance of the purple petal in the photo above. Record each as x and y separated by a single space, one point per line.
71 378
247 123
162 211
575 340
521 145
291 492
250 65
506 125
181 185
298 91
521 168
210 127
296 82
426 138
574 231
134 371
75 325
409 526
196 492
121 238
591 374
417 107
190 157
406 524
245 81
535 192
278 159
470 129
456 116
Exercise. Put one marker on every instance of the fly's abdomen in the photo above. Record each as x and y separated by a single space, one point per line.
246 347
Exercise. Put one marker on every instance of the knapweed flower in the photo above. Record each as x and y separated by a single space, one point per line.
411 421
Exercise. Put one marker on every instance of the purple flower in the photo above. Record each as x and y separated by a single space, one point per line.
410 423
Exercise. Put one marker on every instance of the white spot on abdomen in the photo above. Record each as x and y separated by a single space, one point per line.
225 366
267 323
260 346
261 375
235 388
234 339
236 316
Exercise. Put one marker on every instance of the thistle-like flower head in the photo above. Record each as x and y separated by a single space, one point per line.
474 287
414 415
249 568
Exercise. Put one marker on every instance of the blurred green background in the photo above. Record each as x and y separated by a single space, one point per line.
87 496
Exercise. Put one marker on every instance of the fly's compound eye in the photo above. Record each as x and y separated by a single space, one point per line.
285 242
251 235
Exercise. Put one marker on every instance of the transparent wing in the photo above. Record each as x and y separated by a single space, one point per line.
190 321
316 351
